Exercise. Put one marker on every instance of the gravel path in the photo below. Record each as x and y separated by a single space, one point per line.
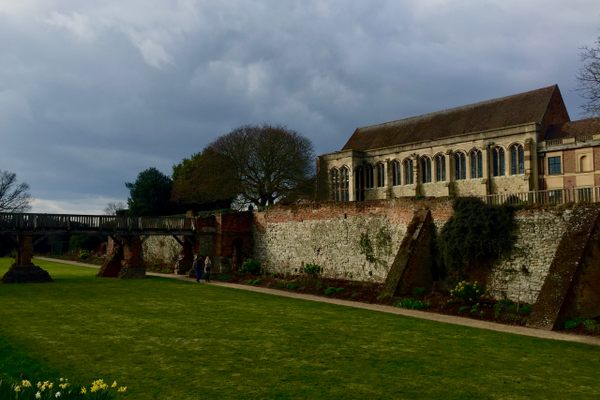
449 319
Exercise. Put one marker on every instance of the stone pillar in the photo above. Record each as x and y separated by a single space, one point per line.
133 258
112 267
449 160
186 257
23 270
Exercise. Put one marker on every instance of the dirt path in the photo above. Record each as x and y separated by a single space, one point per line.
449 319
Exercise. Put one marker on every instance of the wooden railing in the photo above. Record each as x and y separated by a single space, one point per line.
44 223
554 196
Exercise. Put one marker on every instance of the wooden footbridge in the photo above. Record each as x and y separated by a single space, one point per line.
126 261
36 224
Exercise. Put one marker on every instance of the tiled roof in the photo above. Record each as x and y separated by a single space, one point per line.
522 108
584 127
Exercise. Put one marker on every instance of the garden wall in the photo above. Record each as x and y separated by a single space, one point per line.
337 236
359 240
356 241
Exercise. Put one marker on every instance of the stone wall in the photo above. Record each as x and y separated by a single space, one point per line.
520 276
161 249
355 241
333 236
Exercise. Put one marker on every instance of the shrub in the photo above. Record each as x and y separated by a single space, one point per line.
331 290
467 292
312 269
84 254
412 304
477 234
255 282
572 323
250 266
591 325
292 286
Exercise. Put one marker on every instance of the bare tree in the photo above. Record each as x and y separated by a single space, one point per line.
588 78
113 208
14 197
270 163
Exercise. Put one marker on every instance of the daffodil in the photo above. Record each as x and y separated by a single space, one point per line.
122 389
25 383
83 390
114 384
17 388
57 395
38 395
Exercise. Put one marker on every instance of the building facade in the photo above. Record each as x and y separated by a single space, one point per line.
520 143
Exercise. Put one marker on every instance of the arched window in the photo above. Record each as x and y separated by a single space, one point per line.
498 161
460 166
517 159
344 184
476 164
335 184
407 165
440 168
369 176
425 169
395 173
380 175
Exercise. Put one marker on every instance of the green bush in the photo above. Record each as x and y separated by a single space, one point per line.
331 290
412 304
572 323
591 325
84 255
255 282
467 292
250 266
292 286
476 235
312 269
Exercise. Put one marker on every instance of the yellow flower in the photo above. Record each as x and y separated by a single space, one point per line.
38 395
39 384
17 388
63 386
26 383
122 389
114 385
83 390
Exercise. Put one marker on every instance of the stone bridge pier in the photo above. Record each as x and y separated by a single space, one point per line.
126 260
23 270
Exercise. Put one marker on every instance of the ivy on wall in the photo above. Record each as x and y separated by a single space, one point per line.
476 236
377 249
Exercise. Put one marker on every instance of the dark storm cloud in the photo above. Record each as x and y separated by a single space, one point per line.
91 94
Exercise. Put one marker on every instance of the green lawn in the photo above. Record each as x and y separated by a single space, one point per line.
168 339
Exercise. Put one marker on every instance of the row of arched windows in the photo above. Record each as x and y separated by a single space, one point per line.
370 176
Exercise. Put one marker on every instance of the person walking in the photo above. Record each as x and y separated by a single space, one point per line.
197 265
207 268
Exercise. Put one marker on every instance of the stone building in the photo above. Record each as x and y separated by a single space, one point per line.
520 143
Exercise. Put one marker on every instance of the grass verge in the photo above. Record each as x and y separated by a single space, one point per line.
170 339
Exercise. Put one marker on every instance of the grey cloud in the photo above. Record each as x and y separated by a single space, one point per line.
91 93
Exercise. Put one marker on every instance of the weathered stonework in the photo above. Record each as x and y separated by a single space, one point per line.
161 249
520 276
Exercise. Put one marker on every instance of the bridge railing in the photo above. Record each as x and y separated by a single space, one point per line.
92 223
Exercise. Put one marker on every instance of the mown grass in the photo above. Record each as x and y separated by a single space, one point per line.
175 340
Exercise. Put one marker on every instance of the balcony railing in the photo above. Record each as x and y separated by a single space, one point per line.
553 196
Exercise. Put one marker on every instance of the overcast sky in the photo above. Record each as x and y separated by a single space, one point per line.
93 92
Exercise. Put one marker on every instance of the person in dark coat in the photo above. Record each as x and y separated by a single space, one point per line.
198 267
